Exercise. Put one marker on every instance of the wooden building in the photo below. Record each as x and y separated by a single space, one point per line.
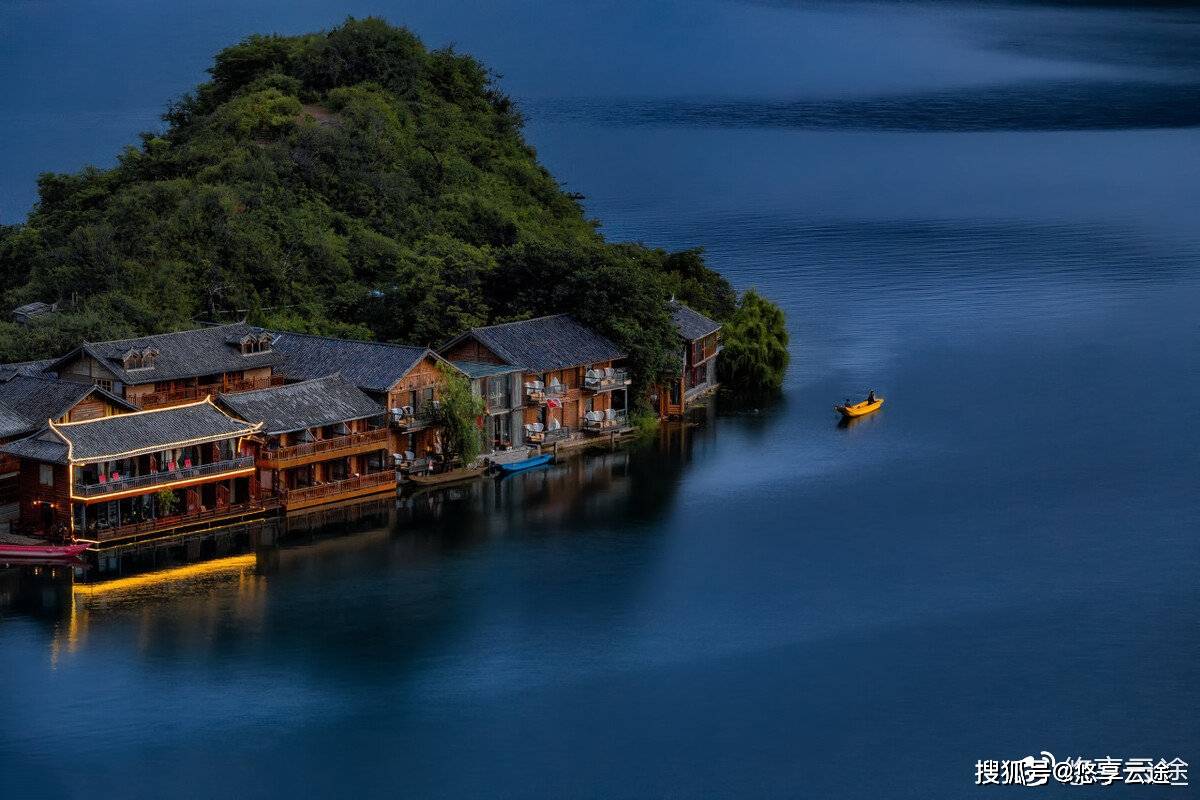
323 440
406 381
175 368
701 344
28 402
568 372
499 386
138 474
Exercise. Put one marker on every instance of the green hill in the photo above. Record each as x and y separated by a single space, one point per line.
350 182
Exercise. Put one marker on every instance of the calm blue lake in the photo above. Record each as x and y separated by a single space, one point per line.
985 212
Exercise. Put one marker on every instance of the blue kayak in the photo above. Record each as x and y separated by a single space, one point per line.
524 464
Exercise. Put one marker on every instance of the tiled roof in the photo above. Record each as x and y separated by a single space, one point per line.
36 307
45 445
480 369
13 424
127 435
308 404
371 366
183 354
24 368
545 343
690 323
40 398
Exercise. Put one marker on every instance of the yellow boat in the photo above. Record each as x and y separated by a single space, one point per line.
859 409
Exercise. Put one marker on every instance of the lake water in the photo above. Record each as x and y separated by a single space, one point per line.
986 213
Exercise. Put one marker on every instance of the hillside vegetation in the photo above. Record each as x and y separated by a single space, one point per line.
349 182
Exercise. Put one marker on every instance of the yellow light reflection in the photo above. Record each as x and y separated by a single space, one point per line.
188 572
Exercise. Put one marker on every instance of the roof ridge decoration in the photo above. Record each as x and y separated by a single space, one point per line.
277 334
246 428
70 445
207 399
523 321
202 327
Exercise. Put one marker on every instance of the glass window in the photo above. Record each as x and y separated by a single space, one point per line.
46 474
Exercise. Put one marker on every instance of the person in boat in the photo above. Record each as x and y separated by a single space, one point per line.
871 396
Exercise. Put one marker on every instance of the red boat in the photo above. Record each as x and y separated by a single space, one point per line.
22 552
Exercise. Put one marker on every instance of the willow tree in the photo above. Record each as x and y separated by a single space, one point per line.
458 412
754 352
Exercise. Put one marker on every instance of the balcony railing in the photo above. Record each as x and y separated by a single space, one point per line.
153 479
108 533
556 435
601 421
408 418
537 392
331 446
537 433
602 380
186 394
334 488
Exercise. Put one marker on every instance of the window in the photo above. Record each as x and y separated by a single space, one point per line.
498 391
46 474
104 383
251 344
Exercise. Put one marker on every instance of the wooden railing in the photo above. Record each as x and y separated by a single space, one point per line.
330 446
619 419
185 394
416 418
162 523
153 479
334 488
599 383
541 393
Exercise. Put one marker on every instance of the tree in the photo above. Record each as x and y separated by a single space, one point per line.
166 501
755 347
458 412
351 182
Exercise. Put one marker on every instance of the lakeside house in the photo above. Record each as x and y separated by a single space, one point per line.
407 382
132 439
137 474
174 368
570 381
322 440
701 341
27 403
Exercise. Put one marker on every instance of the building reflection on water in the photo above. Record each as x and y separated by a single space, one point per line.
190 605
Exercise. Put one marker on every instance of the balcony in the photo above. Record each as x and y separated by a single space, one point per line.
406 418
188 394
321 449
537 393
605 380
164 524
537 433
153 479
556 435
337 490
604 421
